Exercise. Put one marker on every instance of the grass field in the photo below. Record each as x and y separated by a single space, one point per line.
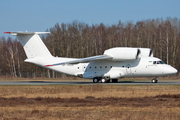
98 101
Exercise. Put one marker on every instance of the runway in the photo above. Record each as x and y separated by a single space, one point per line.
74 82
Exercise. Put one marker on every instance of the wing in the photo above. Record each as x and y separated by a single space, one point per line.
84 60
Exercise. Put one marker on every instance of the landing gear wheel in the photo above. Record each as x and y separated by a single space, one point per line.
154 81
108 81
95 80
114 80
103 80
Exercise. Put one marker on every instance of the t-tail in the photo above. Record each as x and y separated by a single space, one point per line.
32 44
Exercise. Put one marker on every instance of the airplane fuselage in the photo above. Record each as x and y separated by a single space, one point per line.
143 67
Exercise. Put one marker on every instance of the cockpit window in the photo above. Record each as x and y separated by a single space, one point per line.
158 62
161 62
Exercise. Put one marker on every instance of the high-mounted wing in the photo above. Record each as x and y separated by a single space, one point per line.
84 60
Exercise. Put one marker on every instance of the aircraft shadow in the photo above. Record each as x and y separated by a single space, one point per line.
133 81
81 82
58 82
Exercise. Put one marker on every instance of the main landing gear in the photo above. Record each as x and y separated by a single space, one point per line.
104 80
155 80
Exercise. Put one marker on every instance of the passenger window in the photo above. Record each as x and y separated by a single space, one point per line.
158 62
154 62
100 66
105 66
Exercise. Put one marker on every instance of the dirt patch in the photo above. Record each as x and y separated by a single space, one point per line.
158 101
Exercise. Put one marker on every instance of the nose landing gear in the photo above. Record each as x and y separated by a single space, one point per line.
155 80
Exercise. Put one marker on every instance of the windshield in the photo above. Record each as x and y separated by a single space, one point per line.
158 62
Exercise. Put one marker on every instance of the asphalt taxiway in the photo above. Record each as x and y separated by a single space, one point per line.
74 82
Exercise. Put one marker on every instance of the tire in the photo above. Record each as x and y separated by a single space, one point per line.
103 80
95 80
108 81
154 81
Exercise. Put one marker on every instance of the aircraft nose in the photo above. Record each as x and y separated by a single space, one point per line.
169 70
173 70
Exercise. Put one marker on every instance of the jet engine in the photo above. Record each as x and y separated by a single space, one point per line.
123 53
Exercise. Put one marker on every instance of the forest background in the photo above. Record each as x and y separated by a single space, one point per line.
79 40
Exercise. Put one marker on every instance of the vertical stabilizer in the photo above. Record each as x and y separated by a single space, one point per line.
32 44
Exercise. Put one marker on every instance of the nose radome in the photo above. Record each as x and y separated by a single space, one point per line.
173 70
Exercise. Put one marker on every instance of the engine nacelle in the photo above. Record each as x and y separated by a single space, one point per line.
123 53
146 52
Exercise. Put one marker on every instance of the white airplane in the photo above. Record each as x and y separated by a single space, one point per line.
115 63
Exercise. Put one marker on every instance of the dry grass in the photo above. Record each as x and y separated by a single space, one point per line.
81 91
90 113
90 102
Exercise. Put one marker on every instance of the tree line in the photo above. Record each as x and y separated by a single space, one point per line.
79 40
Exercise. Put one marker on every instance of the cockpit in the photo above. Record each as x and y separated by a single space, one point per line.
158 62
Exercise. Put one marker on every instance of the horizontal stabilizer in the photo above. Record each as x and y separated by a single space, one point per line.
25 33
